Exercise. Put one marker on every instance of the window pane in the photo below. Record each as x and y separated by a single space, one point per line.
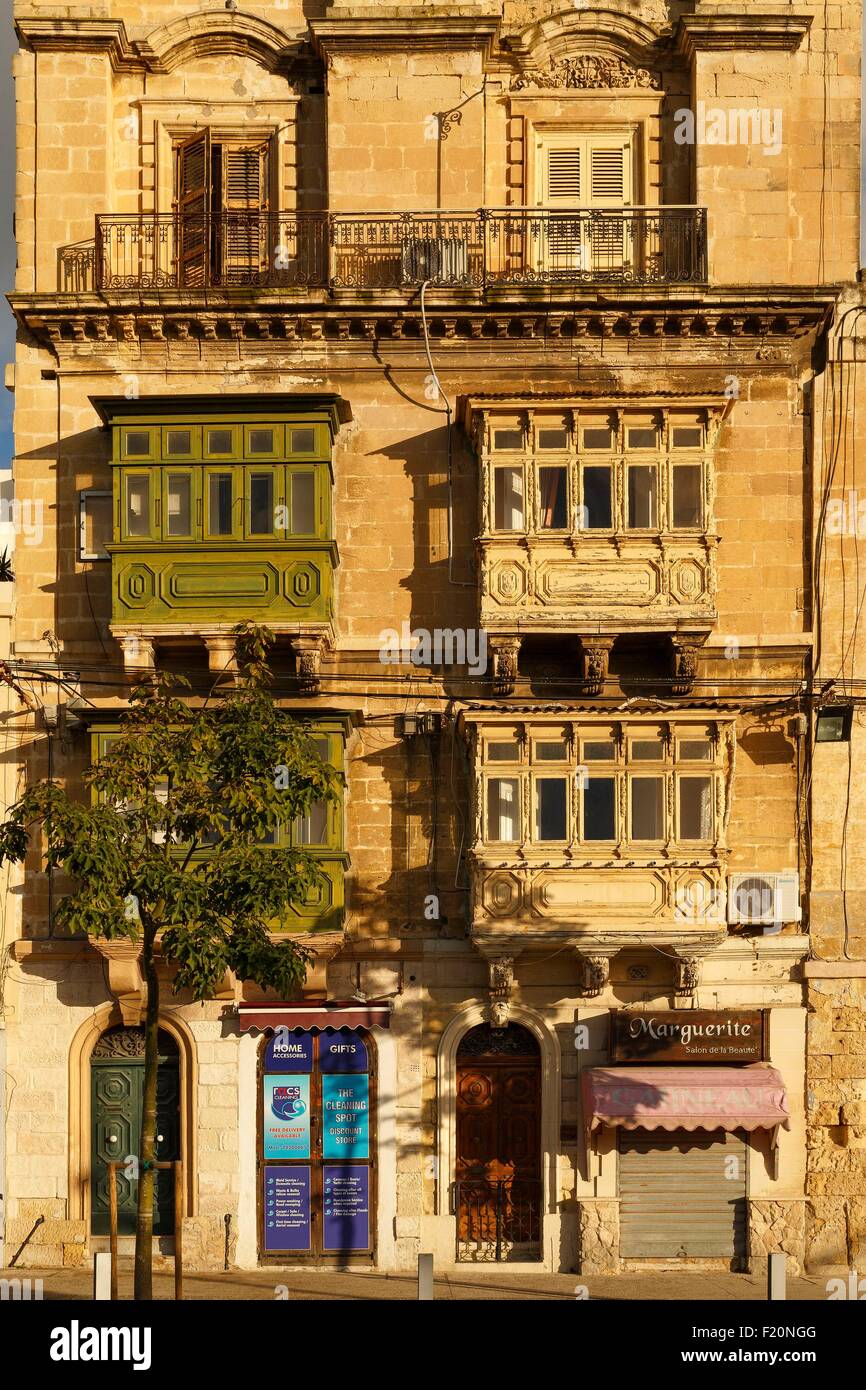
219 504
647 750
312 829
599 752
597 514
552 752
503 809
508 499
219 441
687 495
138 443
687 437
696 808
303 441
508 439
553 498
553 439
647 808
550 809
177 442
138 506
179 504
695 749
641 438
303 504
261 441
262 504
503 752
598 439
599 814
642 496
97 516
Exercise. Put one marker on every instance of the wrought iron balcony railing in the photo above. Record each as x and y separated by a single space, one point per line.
392 251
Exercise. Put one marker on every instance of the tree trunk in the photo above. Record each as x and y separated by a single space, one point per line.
146 1176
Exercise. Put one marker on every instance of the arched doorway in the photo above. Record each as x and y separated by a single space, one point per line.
498 1188
116 1091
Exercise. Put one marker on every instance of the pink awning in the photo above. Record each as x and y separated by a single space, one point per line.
318 1013
685 1098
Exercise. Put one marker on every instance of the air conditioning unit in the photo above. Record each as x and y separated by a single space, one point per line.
760 900
443 259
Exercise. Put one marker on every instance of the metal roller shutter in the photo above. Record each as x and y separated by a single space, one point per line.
682 1194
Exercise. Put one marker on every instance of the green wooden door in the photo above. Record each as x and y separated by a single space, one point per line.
116 1089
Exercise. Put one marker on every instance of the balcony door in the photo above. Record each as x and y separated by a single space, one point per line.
584 182
221 202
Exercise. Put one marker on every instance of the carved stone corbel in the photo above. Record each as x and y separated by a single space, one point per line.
221 656
125 978
595 971
595 652
138 653
687 974
501 980
308 663
505 652
684 662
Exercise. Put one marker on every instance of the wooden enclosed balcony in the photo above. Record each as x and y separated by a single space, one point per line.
478 250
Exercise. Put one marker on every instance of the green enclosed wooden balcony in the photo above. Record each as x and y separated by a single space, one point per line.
222 511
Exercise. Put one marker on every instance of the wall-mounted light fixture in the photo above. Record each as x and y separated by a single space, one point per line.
833 724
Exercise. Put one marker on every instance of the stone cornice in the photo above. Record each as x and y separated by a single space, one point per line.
712 32
80 35
383 33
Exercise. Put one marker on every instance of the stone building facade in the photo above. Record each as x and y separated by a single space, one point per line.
503 358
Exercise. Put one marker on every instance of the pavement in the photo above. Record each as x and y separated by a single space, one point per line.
310 1285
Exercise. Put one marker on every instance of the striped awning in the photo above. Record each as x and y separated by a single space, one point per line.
690 1098
317 1014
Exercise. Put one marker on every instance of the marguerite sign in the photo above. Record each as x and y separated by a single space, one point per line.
689 1035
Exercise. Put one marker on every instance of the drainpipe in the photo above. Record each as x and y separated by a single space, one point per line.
2 1144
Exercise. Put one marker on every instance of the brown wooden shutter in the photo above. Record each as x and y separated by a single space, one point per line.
245 246
193 185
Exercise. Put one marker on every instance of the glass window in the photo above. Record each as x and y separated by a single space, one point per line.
508 439
598 439
503 809
261 441
262 504
303 487
553 498
552 439
219 504
312 829
508 499
551 808
137 443
177 441
179 504
642 496
693 750
687 436
599 752
138 505
647 750
551 751
502 752
95 524
647 808
640 437
597 512
220 442
687 479
696 808
303 441
599 808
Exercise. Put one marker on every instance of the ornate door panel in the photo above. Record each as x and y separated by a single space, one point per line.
116 1092
498 1177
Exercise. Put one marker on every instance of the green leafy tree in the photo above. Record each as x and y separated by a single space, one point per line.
169 850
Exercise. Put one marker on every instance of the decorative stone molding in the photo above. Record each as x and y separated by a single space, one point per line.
501 980
86 35
596 658
687 975
388 29
590 70
684 654
595 972
125 978
308 662
221 657
139 653
505 652
700 33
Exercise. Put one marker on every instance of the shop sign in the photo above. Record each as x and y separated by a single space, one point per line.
289 1052
342 1052
286 1103
346 1192
688 1035
346 1116
287 1208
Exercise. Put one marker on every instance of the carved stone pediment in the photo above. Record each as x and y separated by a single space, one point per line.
587 71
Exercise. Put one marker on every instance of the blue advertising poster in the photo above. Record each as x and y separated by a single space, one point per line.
342 1052
287 1051
345 1116
346 1194
286 1105
287 1208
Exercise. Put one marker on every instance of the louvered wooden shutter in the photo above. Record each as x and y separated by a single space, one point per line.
245 179
608 167
193 185
563 175
244 203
